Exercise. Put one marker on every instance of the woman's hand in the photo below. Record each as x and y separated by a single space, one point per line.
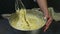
43 6
49 21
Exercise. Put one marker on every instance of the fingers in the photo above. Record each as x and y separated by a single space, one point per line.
45 28
49 21
48 24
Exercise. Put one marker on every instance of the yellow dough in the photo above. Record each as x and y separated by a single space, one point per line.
26 22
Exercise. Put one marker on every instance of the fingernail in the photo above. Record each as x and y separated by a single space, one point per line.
45 18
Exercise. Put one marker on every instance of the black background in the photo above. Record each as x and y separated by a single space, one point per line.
7 6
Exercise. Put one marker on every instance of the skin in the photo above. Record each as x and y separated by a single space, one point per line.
43 6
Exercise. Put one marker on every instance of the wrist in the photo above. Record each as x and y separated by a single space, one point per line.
46 14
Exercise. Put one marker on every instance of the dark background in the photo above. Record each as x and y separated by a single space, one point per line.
7 6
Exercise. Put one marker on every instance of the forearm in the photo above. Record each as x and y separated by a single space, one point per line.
43 5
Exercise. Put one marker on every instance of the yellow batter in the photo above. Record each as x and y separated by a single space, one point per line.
26 22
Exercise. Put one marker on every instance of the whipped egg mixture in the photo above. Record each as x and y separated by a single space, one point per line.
26 22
